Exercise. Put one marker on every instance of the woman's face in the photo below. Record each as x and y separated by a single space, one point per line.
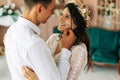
66 21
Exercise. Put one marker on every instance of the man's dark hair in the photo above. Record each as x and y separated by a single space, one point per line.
32 3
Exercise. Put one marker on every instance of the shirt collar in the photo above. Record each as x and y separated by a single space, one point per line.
34 27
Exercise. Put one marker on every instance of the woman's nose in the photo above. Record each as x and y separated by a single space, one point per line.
61 18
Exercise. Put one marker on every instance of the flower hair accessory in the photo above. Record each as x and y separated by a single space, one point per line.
84 11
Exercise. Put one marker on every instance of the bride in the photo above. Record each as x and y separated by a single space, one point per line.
74 18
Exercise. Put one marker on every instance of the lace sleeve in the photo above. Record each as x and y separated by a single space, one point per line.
52 43
78 61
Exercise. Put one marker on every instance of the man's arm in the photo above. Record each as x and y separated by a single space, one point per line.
42 62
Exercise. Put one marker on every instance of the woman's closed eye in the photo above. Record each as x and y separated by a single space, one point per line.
67 16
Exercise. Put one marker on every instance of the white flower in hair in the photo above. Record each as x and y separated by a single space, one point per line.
84 11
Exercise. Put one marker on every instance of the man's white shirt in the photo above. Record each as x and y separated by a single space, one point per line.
24 47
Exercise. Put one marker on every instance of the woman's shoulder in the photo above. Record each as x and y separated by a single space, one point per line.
79 47
81 44
55 36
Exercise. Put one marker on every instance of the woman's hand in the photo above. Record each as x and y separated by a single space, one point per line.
29 74
68 38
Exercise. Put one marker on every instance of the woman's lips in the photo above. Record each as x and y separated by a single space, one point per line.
62 24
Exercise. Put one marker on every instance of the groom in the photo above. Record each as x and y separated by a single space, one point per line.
24 47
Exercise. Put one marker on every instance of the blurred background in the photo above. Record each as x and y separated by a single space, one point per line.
104 33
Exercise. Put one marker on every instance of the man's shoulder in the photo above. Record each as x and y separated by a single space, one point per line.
31 38
24 35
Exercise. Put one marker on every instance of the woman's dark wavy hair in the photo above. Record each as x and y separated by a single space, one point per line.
80 30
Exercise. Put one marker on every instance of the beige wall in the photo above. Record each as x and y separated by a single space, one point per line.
17 2
93 6
47 29
3 2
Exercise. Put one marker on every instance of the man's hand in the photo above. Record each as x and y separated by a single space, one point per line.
68 38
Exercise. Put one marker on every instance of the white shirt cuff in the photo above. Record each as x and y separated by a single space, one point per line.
66 53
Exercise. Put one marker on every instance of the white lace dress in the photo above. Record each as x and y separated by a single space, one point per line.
78 58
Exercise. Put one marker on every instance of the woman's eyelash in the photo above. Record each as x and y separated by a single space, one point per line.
67 16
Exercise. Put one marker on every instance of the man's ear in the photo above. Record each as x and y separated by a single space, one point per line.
38 8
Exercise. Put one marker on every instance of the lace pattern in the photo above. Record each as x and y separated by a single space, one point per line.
52 43
78 59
